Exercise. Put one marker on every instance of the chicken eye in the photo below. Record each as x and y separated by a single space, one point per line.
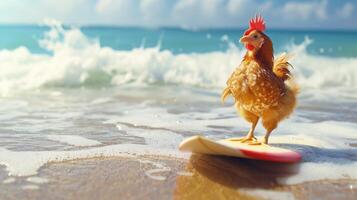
255 36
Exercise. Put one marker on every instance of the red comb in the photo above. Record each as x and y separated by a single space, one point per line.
256 23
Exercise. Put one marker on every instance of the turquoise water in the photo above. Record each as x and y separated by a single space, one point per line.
328 43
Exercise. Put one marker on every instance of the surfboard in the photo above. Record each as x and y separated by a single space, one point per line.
231 147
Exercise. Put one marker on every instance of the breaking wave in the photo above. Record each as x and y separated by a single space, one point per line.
76 61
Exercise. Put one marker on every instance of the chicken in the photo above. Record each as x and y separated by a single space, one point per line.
261 86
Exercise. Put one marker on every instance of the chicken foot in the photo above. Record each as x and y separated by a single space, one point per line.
249 138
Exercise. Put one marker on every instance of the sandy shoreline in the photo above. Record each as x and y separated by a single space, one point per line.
149 177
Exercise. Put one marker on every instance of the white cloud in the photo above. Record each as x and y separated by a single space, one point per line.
125 12
111 6
27 11
150 5
321 9
306 10
62 7
204 8
266 6
153 10
103 5
346 11
183 5
236 6
193 13
187 13
211 7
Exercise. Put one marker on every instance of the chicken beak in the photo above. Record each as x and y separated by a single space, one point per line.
245 39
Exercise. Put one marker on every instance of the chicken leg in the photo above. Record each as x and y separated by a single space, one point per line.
266 137
249 138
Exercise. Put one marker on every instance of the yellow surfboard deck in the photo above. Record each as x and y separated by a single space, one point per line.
232 147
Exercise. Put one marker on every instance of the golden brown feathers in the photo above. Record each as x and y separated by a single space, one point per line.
226 92
281 66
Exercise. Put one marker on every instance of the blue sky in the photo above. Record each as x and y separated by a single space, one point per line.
296 14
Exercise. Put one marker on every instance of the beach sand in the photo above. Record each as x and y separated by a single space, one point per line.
200 177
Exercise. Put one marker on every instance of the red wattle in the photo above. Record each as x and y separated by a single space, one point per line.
249 47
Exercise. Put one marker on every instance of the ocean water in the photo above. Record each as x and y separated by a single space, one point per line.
85 92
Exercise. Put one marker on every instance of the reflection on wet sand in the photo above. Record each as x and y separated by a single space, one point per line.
217 177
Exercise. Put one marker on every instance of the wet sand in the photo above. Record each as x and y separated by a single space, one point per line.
200 177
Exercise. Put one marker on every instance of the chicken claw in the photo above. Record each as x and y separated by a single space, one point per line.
245 139
249 140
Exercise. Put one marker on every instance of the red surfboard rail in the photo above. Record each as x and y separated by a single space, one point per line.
275 157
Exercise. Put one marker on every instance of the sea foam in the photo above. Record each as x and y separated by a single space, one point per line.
76 60
324 145
74 140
